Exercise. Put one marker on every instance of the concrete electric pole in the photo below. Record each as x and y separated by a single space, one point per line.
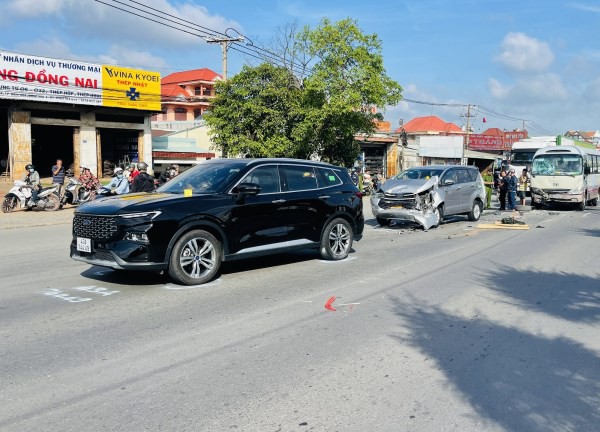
468 130
225 44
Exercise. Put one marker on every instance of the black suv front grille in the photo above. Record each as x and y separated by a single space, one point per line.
95 227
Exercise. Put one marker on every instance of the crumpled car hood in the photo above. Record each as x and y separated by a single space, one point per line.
396 186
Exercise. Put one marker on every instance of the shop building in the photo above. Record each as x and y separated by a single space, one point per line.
83 113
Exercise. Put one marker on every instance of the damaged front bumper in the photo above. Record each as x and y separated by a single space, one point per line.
425 215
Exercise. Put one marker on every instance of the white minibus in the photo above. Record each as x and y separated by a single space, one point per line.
565 175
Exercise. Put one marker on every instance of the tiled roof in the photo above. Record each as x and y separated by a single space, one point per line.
429 124
203 74
172 91
493 132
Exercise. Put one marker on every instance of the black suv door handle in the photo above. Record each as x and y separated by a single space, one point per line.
324 197
279 201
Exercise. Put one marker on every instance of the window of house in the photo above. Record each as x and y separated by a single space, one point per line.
180 110
197 91
207 91
197 113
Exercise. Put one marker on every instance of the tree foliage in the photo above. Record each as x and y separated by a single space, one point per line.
269 111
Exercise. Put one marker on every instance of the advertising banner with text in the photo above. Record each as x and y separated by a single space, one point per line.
42 79
486 142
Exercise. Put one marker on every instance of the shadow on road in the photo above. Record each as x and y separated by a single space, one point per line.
573 297
148 278
593 232
520 381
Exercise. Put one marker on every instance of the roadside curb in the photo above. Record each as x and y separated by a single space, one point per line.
24 219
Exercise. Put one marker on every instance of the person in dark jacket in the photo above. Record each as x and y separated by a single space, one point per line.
503 189
143 182
512 189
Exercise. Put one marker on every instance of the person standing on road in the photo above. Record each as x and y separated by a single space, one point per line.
143 182
58 175
488 181
523 186
502 189
512 189
354 176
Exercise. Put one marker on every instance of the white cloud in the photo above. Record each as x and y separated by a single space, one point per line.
96 21
585 8
117 54
34 8
530 90
592 91
523 53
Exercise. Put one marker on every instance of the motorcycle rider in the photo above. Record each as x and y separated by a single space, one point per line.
168 174
143 182
89 181
32 178
131 172
119 184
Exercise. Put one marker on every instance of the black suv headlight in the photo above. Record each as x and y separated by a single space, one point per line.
138 225
143 216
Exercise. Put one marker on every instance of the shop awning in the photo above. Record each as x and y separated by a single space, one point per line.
472 154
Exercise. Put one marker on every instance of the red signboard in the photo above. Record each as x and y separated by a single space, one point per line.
513 137
485 142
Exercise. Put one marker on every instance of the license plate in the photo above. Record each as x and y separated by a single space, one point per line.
84 244
555 196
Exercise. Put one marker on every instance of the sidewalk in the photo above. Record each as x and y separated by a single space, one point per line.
31 218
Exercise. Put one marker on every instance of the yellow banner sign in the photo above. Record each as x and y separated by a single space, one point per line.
130 88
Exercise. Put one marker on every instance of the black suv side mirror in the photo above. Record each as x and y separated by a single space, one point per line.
586 170
248 189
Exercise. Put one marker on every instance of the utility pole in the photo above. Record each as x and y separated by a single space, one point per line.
225 44
468 116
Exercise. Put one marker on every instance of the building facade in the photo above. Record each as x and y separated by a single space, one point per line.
85 114
185 96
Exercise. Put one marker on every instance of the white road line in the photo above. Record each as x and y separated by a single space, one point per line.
174 287
337 261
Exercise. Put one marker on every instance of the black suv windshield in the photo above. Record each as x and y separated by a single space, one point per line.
203 178
418 173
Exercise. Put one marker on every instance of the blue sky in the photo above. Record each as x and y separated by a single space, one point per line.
527 59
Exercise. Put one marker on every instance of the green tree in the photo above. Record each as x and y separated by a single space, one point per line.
268 111
254 113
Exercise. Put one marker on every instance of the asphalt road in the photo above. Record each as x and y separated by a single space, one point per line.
454 329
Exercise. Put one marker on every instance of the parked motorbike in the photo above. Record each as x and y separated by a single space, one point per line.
75 193
20 195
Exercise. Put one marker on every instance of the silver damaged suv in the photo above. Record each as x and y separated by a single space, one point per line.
426 194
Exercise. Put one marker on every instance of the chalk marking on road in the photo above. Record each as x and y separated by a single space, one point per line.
337 261
348 304
174 287
306 301
586 214
329 304
96 290
59 294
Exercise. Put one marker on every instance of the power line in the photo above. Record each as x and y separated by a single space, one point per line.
203 33
487 111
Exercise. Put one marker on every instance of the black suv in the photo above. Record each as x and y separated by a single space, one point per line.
220 210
